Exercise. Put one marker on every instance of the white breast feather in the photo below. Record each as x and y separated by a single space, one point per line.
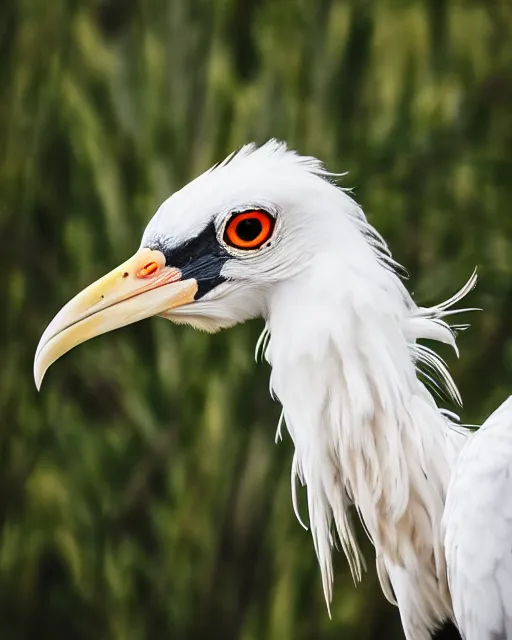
366 430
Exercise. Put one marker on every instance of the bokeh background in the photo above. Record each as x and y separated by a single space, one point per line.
141 492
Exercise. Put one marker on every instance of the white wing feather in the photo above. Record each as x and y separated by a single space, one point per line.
478 531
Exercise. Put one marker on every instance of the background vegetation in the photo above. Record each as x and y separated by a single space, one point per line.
141 493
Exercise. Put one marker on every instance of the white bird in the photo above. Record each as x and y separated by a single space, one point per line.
267 233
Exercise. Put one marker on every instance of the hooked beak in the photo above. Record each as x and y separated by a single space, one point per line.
139 288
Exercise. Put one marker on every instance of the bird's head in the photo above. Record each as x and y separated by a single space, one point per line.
215 252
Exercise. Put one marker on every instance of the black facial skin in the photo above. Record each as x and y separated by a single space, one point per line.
201 258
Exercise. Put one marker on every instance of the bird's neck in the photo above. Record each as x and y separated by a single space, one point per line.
365 429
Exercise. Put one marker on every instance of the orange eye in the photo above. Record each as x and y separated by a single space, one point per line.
249 229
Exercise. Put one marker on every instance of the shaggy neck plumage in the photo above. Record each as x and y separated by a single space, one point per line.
366 431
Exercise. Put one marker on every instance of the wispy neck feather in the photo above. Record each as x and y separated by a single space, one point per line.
366 429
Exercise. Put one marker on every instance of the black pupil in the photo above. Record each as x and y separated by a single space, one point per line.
248 229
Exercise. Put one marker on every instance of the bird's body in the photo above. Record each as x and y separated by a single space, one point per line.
268 234
478 530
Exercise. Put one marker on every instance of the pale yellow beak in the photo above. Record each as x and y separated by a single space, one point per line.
141 287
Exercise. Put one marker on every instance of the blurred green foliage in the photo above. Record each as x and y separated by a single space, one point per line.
141 494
